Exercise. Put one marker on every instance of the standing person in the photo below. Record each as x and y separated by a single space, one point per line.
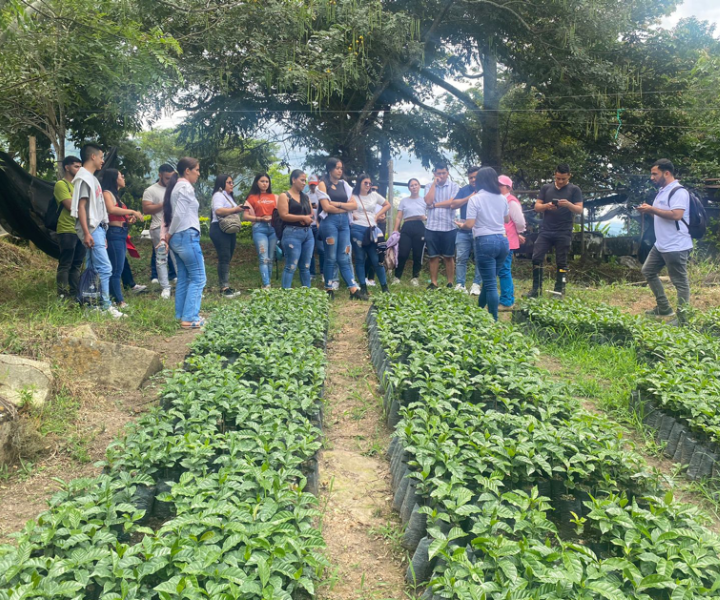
381 219
315 194
440 231
362 229
558 202
180 216
335 228
486 215
464 240
224 205
119 215
298 244
411 214
513 228
262 203
88 208
671 214
152 204
72 250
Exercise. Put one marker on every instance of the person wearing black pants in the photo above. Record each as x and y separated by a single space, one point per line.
224 205
225 247
411 213
72 249
558 202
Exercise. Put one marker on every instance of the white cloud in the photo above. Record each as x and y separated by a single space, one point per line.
705 10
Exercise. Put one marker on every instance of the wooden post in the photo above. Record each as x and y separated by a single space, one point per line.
33 156
582 234
390 221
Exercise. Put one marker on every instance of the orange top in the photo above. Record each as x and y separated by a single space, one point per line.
262 204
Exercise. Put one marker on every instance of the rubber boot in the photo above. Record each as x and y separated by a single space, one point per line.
536 290
385 289
560 282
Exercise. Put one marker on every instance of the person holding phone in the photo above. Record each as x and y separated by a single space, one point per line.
440 230
298 243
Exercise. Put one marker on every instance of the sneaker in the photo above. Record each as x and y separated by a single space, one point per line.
475 289
432 286
415 282
122 305
449 285
370 282
165 294
154 281
396 281
504 308
138 289
229 293
336 285
174 281
266 287
115 313
656 312
460 288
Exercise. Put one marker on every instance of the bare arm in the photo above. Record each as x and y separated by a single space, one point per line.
284 212
82 217
675 214
113 209
149 208
224 212
384 209
398 220
430 195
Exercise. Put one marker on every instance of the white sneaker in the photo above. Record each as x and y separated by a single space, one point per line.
460 288
396 281
115 313
371 282
415 281
174 281
138 289
475 290
165 294
154 281
336 285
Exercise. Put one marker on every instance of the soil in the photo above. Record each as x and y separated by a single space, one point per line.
102 416
358 525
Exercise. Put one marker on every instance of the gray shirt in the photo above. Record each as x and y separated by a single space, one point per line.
185 208
412 207
489 211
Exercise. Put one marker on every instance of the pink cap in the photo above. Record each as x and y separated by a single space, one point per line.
314 180
505 180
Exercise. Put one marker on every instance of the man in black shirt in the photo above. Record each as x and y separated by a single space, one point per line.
558 202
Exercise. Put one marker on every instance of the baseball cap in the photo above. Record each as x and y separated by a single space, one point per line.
314 180
505 180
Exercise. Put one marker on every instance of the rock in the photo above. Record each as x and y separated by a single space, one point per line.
83 332
8 432
24 380
105 363
711 280
630 262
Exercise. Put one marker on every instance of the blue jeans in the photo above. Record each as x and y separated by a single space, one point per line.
490 254
191 280
507 287
117 248
335 230
99 259
265 240
464 246
361 253
319 250
298 245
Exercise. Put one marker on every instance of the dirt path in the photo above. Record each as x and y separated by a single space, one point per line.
102 415
358 525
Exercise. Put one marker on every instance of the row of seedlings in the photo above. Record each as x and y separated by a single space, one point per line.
206 496
506 486
677 385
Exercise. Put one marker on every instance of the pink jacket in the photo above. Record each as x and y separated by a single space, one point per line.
516 225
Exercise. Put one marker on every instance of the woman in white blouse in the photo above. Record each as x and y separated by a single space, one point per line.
224 205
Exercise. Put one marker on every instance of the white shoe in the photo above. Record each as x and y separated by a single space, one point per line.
460 288
267 287
475 290
174 281
138 288
336 285
396 281
370 282
415 281
154 281
115 313
165 294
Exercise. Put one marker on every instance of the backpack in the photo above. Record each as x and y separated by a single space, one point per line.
89 293
52 216
698 220
277 224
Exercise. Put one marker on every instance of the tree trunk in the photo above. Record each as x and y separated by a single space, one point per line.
490 152
384 175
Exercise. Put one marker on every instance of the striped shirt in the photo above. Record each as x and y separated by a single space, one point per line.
442 219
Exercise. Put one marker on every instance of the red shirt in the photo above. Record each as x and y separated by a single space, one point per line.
262 204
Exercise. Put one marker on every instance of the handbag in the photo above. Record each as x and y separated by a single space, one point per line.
231 224
370 236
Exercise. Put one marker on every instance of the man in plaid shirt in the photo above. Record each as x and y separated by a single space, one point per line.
440 230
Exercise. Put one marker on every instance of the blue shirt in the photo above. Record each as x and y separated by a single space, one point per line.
464 192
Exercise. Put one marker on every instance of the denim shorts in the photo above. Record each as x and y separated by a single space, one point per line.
440 243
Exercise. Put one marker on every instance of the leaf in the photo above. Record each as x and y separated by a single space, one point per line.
436 547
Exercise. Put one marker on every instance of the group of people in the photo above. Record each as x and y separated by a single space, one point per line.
344 225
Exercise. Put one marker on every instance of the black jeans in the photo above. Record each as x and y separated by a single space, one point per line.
72 256
412 238
225 247
546 240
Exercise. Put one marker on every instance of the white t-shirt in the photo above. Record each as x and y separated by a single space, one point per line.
413 207
156 195
221 200
667 236
489 211
370 201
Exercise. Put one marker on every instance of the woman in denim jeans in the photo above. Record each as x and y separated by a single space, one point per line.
487 214
259 206
180 216
298 242
335 228
119 216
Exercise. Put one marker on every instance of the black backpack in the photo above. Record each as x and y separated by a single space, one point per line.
52 214
277 224
697 221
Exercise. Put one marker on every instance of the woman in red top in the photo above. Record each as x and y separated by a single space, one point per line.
119 216
259 205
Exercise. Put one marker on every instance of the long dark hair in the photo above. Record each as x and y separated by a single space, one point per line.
304 199
220 182
358 183
110 182
330 165
183 165
255 188
487 179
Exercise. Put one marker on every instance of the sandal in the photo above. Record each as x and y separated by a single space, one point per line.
199 324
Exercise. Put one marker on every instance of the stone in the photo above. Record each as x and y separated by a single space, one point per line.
105 363
8 432
711 280
24 380
83 332
630 262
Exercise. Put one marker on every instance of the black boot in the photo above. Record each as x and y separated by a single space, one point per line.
560 282
536 290
359 294
385 289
